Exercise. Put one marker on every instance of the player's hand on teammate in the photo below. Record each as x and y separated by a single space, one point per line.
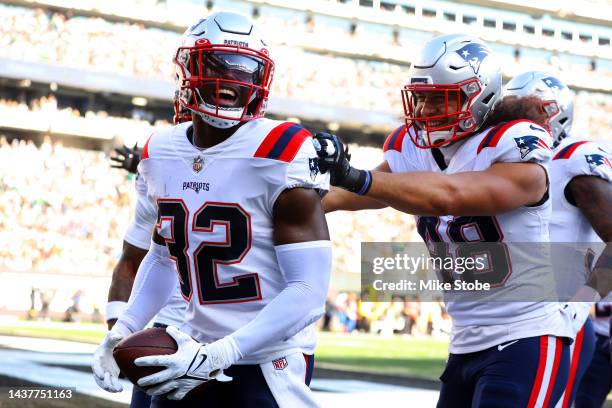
126 158
335 158
105 369
191 365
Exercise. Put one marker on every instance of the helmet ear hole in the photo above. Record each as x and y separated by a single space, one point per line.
487 99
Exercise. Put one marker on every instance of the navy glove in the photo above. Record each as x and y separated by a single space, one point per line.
126 158
334 157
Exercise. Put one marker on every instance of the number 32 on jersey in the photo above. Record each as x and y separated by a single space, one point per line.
209 253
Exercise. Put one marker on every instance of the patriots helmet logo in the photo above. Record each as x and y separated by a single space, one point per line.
595 160
527 144
553 83
474 54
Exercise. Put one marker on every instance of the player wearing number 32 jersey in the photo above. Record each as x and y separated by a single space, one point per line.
240 228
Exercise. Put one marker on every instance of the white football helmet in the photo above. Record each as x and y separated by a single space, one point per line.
557 100
461 69
224 71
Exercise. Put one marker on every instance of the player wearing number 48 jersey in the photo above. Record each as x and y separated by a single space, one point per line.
472 174
240 227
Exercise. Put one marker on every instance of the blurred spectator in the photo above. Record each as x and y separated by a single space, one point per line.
75 308
46 297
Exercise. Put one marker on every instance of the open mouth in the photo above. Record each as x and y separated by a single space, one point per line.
228 96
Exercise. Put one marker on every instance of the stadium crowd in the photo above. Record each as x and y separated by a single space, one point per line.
45 115
96 44
52 199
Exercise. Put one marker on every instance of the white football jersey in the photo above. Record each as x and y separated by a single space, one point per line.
139 234
478 325
573 262
215 211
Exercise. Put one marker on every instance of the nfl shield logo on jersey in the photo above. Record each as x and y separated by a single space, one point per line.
198 164
280 364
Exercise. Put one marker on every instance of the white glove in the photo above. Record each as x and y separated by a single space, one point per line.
104 366
191 365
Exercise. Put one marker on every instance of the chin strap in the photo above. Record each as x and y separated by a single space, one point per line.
216 122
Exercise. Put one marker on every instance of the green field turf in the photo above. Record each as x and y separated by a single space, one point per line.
420 358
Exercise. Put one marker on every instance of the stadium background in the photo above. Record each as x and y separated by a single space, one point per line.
78 78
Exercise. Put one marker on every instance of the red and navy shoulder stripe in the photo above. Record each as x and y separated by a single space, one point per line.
283 142
494 135
568 150
395 140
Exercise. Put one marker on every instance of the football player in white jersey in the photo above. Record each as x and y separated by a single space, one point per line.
241 228
472 180
581 194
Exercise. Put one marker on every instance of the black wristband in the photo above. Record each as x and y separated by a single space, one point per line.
357 181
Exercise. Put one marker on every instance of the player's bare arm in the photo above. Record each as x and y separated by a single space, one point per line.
299 217
339 199
593 195
124 275
500 188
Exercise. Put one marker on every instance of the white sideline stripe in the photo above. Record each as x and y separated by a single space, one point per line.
47 345
550 361
59 377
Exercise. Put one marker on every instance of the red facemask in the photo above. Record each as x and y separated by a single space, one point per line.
227 82
456 109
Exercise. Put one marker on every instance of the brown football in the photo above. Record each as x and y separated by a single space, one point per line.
148 342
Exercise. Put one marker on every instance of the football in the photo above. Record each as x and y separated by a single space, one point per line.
148 342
